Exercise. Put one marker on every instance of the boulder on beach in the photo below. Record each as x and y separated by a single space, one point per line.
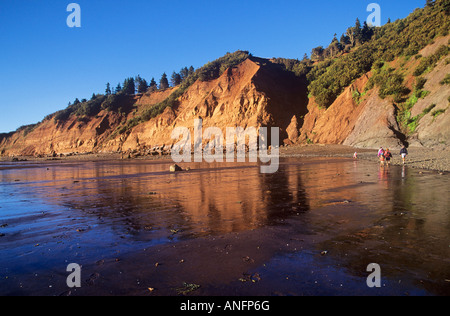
175 168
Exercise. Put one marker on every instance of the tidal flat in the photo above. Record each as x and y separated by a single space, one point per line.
310 229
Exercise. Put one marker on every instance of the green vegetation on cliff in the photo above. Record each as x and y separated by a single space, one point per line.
406 37
328 72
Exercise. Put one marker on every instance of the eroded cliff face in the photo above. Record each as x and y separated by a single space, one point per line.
256 93
366 123
433 128
73 136
432 111
360 118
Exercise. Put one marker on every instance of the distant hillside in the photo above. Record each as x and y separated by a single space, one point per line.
375 86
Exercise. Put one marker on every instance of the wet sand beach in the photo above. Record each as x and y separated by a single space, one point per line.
223 229
437 159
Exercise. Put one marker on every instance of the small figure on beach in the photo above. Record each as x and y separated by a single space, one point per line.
404 154
381 156
355 155
380 151
388 156
382 159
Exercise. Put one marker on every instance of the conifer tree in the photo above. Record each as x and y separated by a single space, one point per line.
153 85
129 86
164 82
358 32
175 79
344 40
184 73
142 84
108 89
118 88
366 33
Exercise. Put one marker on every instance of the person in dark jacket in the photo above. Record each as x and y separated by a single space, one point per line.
404 154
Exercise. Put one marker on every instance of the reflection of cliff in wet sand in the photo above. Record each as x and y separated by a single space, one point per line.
227 228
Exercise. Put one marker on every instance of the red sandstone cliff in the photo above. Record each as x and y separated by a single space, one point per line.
255 93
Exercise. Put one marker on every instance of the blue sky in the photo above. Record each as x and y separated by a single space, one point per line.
45 64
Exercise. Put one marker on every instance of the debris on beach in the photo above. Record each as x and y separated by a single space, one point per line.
93 278
175 168
187 288
250 278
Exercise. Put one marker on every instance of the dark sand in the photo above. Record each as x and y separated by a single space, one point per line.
310 229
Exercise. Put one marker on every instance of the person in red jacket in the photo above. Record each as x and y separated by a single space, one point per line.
388 156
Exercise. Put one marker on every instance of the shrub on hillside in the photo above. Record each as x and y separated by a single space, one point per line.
428 63
389 83
90 108
446 80
216 68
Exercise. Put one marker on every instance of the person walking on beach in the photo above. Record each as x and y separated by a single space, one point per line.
404 153
381 156
382 159
388 156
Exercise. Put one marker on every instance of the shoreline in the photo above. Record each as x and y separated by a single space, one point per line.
435 159
138 230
